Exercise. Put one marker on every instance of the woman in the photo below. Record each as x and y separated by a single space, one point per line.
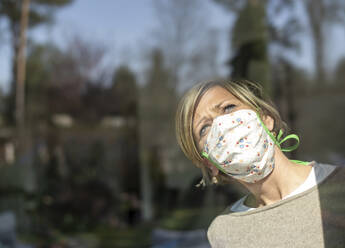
230 131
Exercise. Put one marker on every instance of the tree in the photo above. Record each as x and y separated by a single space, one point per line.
156 107
72 70
282 33
124 87
321 13
123 100
258 39
189 45
20 76
264 36
72 80
39 62
339 74
249 40
40 12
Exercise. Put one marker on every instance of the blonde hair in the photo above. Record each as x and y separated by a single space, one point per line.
247 92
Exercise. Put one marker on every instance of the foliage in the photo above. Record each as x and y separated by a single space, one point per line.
133 237
250 43
124 87
100 236
339 73
73 81
158 95
190 55
80 184
185 219
320 14
261 29
92 178
41 11
39 64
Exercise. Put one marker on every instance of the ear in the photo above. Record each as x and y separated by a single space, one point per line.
269 122
214 169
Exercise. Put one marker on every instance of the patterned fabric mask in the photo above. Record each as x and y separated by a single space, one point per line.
241 146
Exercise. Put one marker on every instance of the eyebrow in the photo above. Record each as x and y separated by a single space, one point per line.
204 118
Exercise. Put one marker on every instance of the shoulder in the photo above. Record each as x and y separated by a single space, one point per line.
334 173
217 232
222 227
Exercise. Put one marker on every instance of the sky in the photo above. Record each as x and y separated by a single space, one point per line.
121 24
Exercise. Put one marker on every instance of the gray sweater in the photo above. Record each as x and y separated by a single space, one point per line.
314 218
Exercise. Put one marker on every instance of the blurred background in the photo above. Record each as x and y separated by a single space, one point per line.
88 91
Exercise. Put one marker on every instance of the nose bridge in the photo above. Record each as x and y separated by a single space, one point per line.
212 112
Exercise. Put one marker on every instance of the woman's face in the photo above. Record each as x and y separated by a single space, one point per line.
215 102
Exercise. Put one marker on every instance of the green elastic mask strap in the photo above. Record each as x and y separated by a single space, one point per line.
205 155
300 162
278 140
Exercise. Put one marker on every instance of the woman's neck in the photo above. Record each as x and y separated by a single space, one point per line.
285 178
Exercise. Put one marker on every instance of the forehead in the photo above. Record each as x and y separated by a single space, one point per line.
211 98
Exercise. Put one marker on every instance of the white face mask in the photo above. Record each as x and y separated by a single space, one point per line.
240 146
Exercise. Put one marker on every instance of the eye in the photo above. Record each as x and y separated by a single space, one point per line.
228 108
203 130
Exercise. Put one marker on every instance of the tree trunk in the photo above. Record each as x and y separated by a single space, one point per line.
315 10
20 76
319 57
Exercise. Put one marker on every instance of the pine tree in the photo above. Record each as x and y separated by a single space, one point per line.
40 12
156 110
